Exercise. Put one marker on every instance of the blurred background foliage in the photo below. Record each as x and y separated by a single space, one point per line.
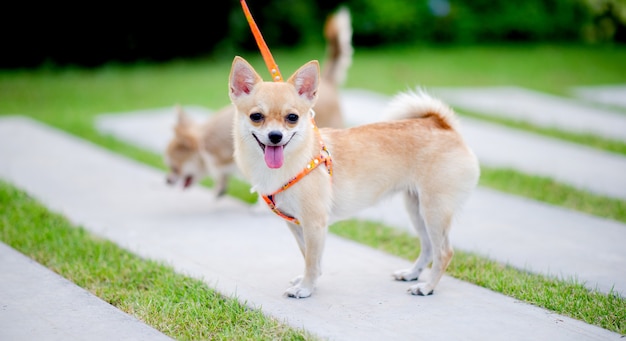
92 34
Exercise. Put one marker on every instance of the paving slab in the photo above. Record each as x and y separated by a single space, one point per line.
611 95
523 233
593 170
538 108
150 129
38 304
252 256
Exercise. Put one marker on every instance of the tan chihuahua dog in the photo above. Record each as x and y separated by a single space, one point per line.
420 153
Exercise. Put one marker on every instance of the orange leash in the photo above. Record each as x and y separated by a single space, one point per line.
265 51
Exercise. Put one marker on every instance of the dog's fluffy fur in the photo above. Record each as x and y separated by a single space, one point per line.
205 149
420 153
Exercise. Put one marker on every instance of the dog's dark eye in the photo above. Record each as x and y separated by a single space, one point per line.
292 118
256 117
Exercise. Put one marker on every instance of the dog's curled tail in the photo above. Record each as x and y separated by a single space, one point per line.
338 34
419 104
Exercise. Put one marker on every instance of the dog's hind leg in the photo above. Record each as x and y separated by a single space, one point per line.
218 173
437 216
411 201
221 181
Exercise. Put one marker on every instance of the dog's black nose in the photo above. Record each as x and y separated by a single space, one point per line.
275 136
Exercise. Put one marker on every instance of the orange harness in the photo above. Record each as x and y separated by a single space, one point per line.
324 158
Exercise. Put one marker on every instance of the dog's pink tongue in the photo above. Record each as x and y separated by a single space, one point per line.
274 156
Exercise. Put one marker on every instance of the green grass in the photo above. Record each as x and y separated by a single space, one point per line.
552 192
70 99
562 296
550 68
179 306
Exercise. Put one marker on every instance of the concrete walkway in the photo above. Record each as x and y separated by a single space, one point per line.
37 304
251 256
523 233
538 108
610 95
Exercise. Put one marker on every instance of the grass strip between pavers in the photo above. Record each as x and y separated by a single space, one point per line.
181 307
552 192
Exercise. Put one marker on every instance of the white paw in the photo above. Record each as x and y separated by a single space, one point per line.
421 289
298 291
405 275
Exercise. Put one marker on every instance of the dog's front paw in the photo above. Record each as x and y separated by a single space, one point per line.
405 275
421 289
298 291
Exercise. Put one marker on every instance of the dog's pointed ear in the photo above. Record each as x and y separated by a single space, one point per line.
306 80
186 136
242 79
182 119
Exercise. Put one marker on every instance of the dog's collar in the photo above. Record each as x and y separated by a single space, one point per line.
324 158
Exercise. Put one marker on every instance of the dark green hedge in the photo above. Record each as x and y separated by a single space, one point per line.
483 21
99 32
